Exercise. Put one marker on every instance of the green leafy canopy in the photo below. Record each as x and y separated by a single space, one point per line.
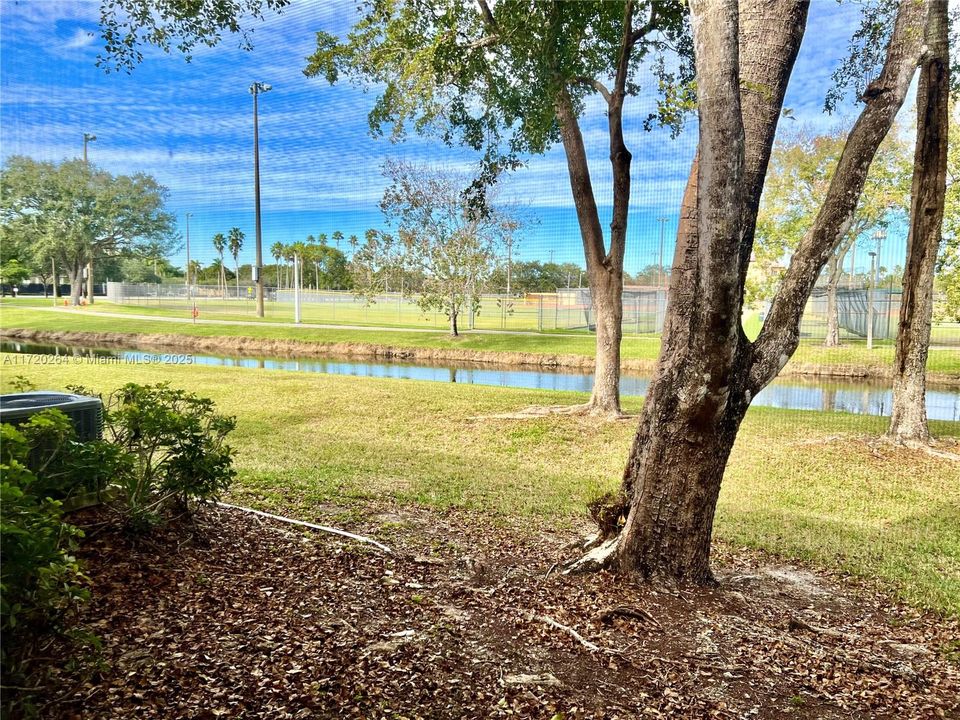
488 77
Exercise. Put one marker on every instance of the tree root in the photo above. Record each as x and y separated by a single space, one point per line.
599 558
628 611
539 411
568 630
925 446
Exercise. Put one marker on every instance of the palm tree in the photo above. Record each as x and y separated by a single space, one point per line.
277 251
236 243
220 244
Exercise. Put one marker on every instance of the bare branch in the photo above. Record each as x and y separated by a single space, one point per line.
488 18
484 42
780 334
594 83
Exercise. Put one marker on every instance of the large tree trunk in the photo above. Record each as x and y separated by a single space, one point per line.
604 270
90 282
56 279
832 338
908 421
687 428
76 283
604 267
708 371
606 290
697 398
453 321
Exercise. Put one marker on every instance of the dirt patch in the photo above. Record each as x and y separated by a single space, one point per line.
248 618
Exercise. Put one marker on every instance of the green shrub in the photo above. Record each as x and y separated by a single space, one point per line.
176 442
39 577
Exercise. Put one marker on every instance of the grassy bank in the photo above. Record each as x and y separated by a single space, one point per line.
798 483
641 352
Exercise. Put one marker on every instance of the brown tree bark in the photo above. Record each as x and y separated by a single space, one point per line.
708 372
76 283
908 421
884 97
604 266
605 270
90 282
453 318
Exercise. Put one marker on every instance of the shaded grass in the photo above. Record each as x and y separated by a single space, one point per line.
855 359
799 484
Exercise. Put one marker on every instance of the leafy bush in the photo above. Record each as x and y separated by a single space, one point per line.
165 448
176 443
38 575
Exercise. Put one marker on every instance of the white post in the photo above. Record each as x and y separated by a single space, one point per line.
296 289
873 276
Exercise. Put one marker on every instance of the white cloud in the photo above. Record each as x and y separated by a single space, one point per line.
80 39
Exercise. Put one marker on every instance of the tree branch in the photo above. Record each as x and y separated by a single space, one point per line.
488 18
781 332
591 82
644 29
483 42
626 47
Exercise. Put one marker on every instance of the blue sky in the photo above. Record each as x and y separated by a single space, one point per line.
190 126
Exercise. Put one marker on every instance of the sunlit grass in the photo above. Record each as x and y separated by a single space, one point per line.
800 484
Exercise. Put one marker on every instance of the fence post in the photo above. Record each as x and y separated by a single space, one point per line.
636 304
540 313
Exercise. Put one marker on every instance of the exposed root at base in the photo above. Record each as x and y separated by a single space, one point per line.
926 446
599 558
539 411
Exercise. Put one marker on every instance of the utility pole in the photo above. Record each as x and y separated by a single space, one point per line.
187 215
255 90
89 138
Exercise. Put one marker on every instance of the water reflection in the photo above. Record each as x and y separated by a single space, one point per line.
860 397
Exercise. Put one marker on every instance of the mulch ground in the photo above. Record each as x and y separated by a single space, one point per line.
243 617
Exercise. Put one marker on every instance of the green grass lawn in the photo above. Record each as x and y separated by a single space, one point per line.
943 362
800 484
343 309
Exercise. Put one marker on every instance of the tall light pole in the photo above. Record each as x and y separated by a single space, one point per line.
187 216
255 90
89 138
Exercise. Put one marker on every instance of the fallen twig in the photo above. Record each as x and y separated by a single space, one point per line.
569 631
312 526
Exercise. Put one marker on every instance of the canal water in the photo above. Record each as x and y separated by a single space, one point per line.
825 394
